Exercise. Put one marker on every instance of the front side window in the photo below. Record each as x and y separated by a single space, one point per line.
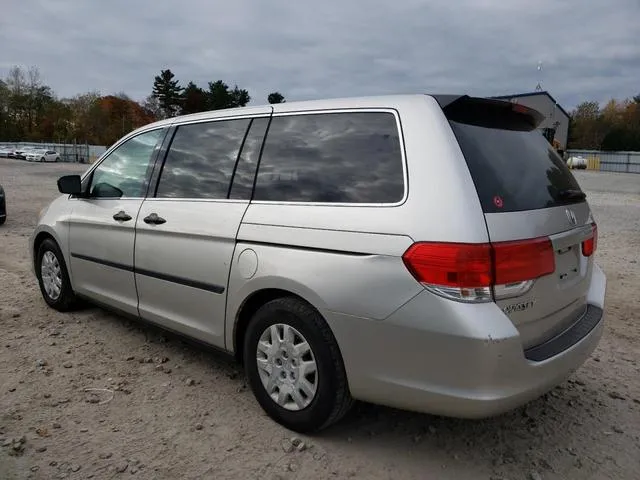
125 172
332 158
201 160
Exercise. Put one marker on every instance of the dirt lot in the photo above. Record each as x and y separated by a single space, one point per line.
172 410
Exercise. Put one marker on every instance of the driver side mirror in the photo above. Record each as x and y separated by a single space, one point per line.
70 184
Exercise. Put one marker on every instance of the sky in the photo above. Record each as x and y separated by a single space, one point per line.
310 50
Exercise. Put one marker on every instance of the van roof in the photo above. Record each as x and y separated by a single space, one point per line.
307 105
377 101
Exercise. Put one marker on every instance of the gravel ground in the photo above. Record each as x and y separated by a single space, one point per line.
162 408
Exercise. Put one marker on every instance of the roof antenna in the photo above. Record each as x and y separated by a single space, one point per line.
539 85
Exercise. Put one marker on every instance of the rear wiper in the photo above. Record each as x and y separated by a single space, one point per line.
571 194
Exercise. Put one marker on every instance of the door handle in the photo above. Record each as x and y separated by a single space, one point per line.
122 216
154 219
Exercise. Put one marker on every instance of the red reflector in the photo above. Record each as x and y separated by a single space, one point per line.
467 265
450 264
523 260
589 245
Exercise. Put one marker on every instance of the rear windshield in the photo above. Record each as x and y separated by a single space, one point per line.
515 170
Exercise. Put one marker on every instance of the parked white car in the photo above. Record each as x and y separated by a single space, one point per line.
42 156
21 152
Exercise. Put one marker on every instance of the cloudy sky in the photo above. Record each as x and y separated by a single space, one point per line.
589 50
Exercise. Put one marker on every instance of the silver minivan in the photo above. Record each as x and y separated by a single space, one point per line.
430 253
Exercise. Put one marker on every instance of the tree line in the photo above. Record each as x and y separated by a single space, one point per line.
614 127
31 111
169 99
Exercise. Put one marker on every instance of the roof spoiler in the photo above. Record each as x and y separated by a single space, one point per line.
488 112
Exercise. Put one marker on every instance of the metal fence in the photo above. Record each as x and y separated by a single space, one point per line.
624 162
68 152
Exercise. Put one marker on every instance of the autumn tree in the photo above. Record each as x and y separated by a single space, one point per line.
614 127
24 101
168 92
116 117
276 97
56 122
622 122
83 125
30 111
587 126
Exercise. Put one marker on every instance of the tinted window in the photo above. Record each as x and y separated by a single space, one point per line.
201 160
514 170
125 171
333 157
246 169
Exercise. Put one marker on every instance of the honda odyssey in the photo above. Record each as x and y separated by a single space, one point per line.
431 253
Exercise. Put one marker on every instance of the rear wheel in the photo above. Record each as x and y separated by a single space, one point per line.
53 277
294 366
57 159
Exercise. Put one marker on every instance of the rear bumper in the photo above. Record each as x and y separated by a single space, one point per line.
460 360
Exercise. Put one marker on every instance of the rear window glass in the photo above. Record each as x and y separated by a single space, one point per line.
514 170
332 158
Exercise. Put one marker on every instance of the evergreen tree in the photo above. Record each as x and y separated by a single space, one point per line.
194 99
168 92
276 97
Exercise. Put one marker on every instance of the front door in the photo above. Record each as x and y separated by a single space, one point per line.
186 231
102 224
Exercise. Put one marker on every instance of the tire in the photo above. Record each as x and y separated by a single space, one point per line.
66 299
3 219
57 159
331 400
42 160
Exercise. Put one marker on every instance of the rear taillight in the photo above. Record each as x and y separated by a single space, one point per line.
478 272
523 260
450 264
590 244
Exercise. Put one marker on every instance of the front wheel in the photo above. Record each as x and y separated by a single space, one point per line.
53 277
42 160
294 367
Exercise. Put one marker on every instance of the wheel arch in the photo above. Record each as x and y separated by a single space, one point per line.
251 304
40 236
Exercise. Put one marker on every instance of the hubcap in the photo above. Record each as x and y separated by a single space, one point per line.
287 367
51 275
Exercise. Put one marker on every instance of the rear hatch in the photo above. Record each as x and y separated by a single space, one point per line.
536 214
